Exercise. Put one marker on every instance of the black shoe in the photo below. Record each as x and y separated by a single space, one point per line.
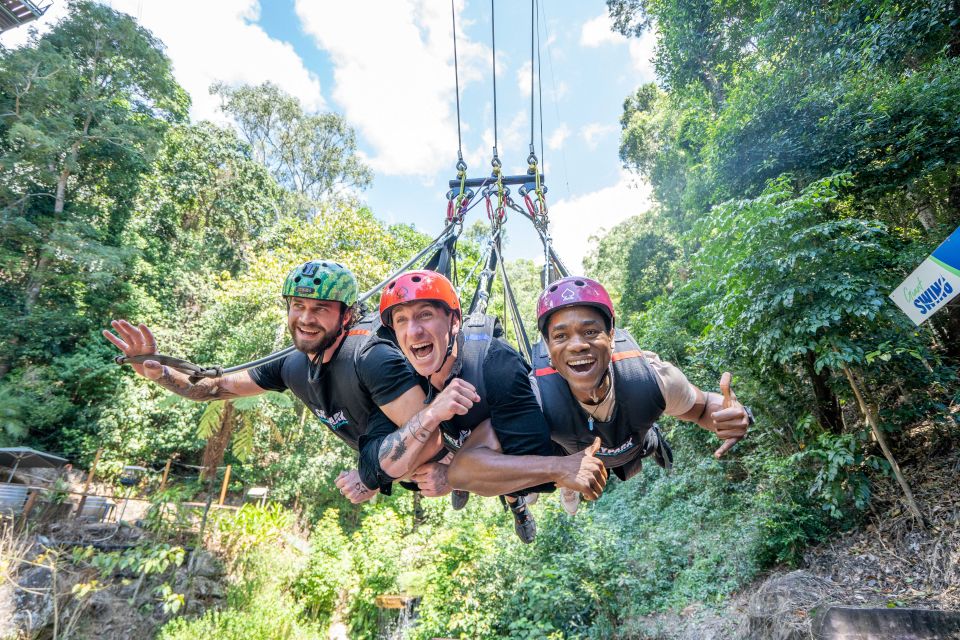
458 499
523 522
657 446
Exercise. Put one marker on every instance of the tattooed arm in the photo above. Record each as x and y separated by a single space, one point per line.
235 385
138 340
405 449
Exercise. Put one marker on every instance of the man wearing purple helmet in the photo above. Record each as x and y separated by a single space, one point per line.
595 381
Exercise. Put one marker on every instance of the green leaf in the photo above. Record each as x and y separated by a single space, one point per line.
210 420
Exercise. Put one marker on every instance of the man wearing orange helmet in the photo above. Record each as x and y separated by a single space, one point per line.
485 408
594 381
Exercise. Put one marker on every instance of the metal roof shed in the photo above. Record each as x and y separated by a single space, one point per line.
15 13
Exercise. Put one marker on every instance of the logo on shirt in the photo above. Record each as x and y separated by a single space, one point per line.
456 443
334 422
626 446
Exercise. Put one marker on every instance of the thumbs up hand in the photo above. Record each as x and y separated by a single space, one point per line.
583 472
730 423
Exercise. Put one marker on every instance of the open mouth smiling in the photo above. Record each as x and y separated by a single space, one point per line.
309 335
583 364
421 350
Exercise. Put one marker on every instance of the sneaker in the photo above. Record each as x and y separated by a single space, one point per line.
458 499
523 522
570 501
656 444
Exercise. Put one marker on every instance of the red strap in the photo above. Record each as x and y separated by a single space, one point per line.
358 332
622 355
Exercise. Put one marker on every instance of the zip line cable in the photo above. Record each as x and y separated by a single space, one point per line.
493 39
456 77
540 82
532 95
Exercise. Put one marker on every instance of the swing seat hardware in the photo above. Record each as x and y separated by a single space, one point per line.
531 187
506 180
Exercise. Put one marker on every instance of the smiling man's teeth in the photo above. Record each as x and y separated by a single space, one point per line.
421 350
576 363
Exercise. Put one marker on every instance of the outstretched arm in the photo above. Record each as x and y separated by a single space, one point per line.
138 340
481 467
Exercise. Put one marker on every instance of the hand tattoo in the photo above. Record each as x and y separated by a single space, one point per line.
203 391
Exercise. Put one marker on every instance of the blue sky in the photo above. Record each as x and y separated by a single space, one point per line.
388 67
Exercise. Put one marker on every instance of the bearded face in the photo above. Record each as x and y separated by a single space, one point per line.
313 324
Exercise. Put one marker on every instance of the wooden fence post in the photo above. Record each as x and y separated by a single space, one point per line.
86 485
226 482
166 472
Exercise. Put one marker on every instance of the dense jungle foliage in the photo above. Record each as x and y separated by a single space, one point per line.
803 158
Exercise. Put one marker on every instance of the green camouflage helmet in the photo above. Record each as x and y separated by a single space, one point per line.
322 280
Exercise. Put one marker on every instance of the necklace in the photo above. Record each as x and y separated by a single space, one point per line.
598 403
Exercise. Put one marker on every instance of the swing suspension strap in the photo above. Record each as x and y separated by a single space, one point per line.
481 294
521 333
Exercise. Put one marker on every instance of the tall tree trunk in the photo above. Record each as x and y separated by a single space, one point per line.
217 443
873 419
60 199
827 406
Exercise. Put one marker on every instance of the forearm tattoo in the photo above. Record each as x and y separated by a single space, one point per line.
204 390
395 445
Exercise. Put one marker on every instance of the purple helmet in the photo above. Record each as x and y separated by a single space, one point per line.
570 292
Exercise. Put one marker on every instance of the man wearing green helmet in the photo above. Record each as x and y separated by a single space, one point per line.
342 369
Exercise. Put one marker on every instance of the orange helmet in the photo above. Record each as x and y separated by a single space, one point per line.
417 285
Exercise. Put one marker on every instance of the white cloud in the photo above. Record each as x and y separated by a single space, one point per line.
523 79
394 76
211 41
218 43
573 220
558 137
593 132
641 54
599 31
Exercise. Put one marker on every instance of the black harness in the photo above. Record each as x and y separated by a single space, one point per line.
473 342
336 396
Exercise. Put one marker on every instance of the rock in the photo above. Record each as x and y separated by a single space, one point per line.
206 565
207 588
33 604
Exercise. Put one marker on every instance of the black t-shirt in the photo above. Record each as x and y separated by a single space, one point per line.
366 372
512 407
